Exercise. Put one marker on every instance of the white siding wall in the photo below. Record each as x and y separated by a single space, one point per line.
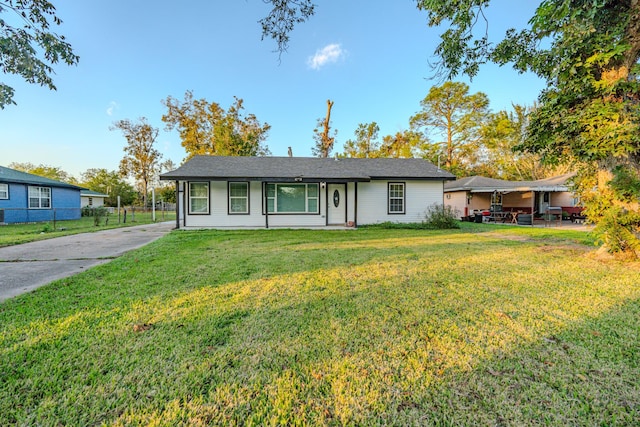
96 202
372 206
373 201
219 217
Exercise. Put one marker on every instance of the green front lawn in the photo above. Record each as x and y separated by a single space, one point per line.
14 234
479 326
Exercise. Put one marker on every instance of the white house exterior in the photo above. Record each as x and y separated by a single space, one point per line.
92 199
272 192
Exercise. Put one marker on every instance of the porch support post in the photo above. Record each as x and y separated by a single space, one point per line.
326 204
177 205
266 204
355 204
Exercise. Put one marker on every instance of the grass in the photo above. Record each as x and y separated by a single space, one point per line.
13 234
483 325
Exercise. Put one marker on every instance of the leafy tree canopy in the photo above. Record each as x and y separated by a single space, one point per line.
28 46
141 160
51 172
206 128
110 183
453 118
501 133
366 143
588 52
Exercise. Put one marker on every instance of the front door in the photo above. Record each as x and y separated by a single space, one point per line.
337 204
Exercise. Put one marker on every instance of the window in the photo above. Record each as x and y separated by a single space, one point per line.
90 201
4 191
238 197
39 198
198 197
396 198
292 198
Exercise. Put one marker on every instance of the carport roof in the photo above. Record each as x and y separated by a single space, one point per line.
305 169
481 184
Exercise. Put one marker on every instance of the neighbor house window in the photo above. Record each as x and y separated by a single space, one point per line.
39 197
238 197
396 198
292 198
90 201
198 197
4 191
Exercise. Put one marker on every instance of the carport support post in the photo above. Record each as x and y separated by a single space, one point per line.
533 206
118 209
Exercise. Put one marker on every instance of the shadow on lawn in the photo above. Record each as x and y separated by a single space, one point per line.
373 328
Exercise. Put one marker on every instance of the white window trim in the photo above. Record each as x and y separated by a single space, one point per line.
307 198
38 197
4 191
403 198
199 197
245 212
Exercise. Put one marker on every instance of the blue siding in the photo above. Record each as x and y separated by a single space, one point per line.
65 204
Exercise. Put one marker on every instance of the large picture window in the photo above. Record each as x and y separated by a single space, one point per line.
292 198
4 191
396 197
39 198
199 198
238 197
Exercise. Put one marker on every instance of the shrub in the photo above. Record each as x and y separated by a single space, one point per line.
97 213
441 217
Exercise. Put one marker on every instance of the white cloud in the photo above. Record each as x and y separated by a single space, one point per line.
329 54
113 105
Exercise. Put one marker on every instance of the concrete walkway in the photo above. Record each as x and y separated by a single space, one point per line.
31 265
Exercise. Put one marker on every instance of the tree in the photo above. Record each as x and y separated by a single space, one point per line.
141 160
51 172
501 133
323 136
588 52
366 143
110 183
454 119
30 49
283 17
406 144
206 128
166 190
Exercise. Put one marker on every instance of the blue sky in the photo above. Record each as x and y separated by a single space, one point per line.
370 57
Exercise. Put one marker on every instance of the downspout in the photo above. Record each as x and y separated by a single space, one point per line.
266 205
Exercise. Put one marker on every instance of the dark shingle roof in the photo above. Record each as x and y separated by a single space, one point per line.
481 184
305 168
12 175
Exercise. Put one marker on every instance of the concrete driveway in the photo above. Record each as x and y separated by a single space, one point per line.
30 265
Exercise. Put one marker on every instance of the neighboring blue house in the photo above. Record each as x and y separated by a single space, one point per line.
25 197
